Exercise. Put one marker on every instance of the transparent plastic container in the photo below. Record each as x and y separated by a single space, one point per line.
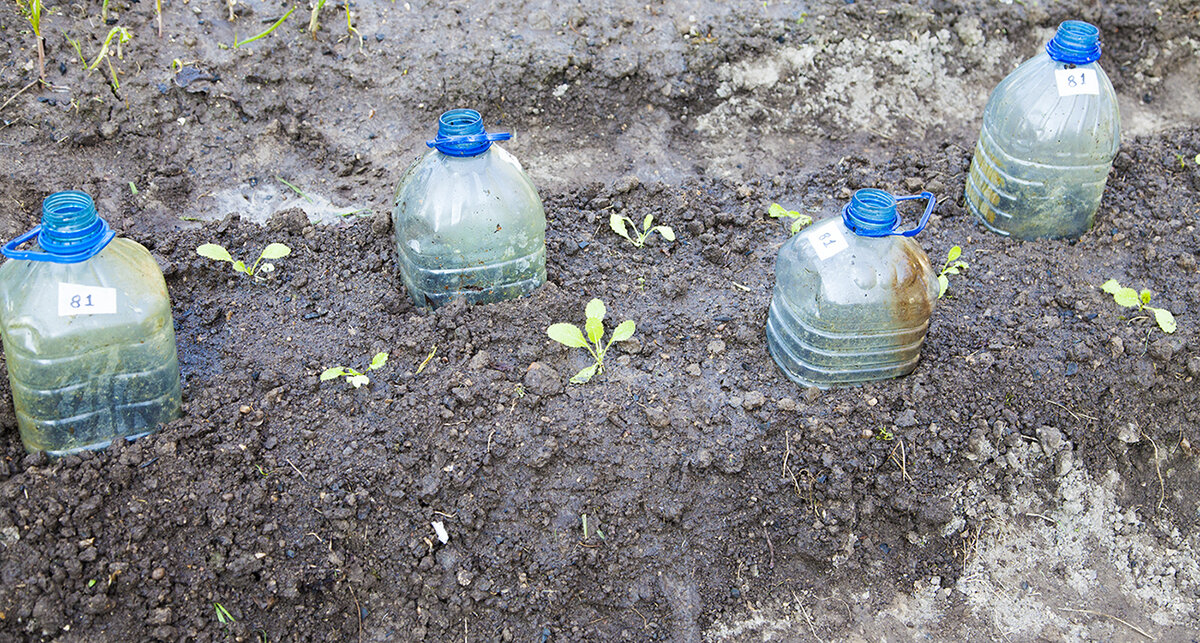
1050 132
88 337
853 296
467 219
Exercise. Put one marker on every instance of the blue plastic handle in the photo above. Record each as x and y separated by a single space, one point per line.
928 196
10 249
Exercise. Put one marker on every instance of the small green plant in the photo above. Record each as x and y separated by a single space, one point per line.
883 435
570 335
239 43
1130 298
123 36
78 50
33 13
158 15
617 223
952 267
92 582
272 251
799 220
355 378
313 25
223 615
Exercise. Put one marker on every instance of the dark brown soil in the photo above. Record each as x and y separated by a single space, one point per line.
711 485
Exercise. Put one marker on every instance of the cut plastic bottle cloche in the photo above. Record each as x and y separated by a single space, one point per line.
468 221
1050 132
87 330
853 295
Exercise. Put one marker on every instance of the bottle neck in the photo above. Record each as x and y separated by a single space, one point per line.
1075 43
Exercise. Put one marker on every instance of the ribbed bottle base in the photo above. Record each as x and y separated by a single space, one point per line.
482 285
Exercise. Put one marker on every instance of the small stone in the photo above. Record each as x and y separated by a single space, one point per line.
693 370
1129 433
787 404
703 459
907 418
1118 346
464 577
632 346
716 347
479 361
161 616
159 573
1063 464
657 417
811 394
625 184
243 409
753 400
543 380
1050 438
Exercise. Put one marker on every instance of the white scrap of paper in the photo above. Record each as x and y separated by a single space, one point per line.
442 534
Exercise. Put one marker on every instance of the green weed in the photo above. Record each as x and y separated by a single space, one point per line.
799 220
78 50
223 615
570 335
617 223
1130 298
883 435
239 43
355 378
219 253
33 13
952 267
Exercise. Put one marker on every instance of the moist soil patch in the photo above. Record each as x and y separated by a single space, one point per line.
689 487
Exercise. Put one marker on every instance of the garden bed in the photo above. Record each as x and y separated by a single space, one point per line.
1041 459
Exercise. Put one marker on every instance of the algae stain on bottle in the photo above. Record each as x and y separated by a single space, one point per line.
853 296
467 220
87 331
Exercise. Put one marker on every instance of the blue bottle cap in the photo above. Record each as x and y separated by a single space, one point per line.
1075 43
461 133
71 231
872 213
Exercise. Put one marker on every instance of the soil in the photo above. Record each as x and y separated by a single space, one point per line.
1035 478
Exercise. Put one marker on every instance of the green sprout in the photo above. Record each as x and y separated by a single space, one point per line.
92 582
883 434
219 253
33 13
78 50
1130 298
238 43
223 615
295 189
350 27
158 15
123 36
952 267
570 335
799 220
355 378
617 223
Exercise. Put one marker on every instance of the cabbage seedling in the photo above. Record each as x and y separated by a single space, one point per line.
355 378
952 267
617 223
219 253
799 220
570 335
1130 298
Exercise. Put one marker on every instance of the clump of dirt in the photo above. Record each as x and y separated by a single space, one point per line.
721 500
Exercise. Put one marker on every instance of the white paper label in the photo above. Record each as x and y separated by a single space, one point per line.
74 299
828 242
1076 81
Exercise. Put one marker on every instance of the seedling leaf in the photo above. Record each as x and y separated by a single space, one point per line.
595 309
358 380
1145 296
378 361
617 223
1127 297
331 373
1165 319
240 267
943 284
567 334
646 223
954 253
1111 286
582 377
276 251
666 232
595 330
213 251
777 211
623 331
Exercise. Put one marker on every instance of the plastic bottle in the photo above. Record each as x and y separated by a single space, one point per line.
87 331
467 219
1050 132
853 295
